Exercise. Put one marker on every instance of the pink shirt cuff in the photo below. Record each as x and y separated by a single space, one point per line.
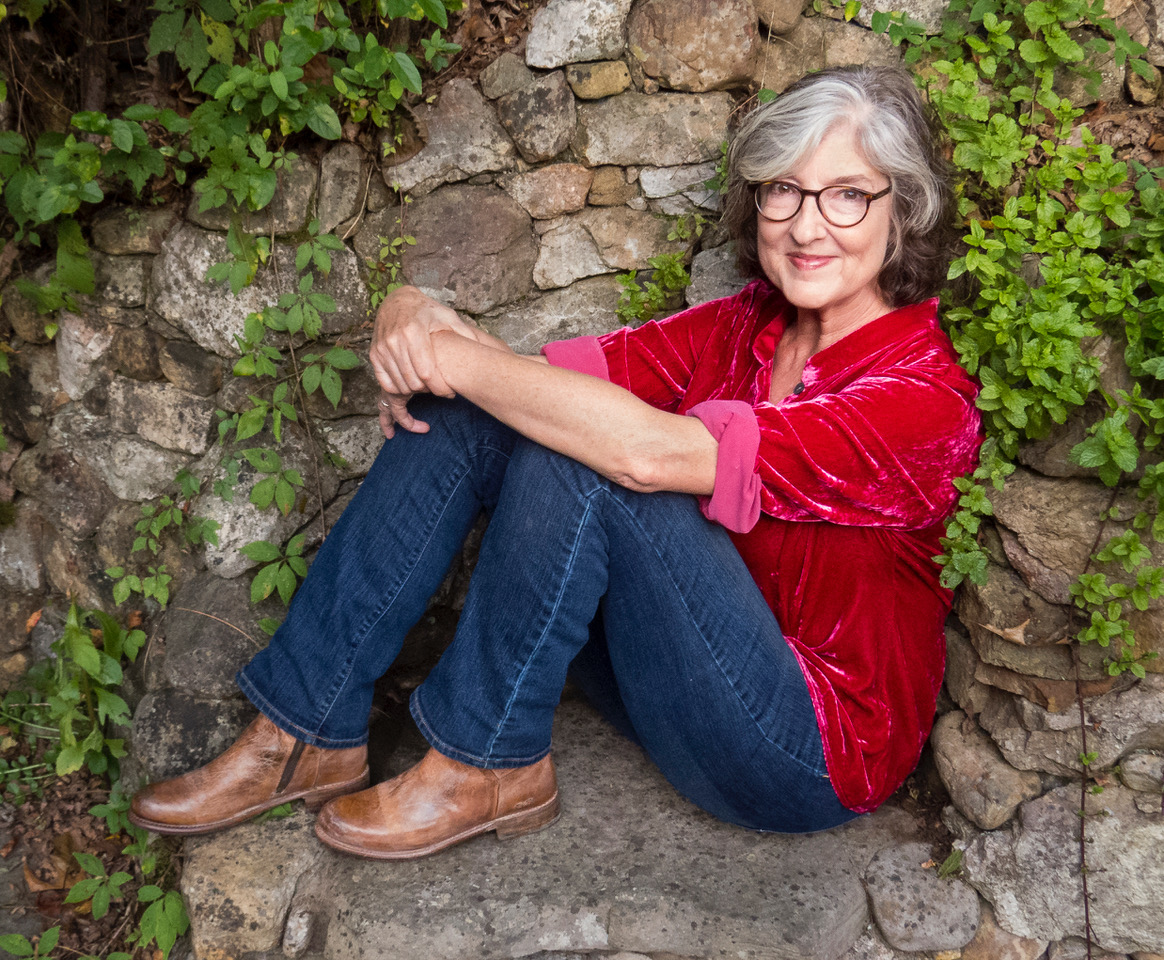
583 354
735 501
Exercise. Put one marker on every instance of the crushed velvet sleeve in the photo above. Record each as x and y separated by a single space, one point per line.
655 362
882 452
582 354
735 501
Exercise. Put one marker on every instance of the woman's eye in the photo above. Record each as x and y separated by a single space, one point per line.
851 194
783 189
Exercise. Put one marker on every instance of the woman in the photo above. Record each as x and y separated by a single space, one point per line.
664 501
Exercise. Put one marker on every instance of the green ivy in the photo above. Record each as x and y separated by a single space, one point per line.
1062 245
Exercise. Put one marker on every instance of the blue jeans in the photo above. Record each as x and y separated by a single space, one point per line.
668 633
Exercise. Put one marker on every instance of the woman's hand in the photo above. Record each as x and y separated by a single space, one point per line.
401 351
402 356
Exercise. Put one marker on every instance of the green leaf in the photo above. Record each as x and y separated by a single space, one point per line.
342 359
279 85
263 584
122 136
70 759
220 10
435 11
286 582
48 941
263 492
269 625
1033 51
311 378
16 945
220 44
165 31
332 386
111 707
284 496
404 68
263 460
324 122
251 422
90 864
260 551
149 893
100 904
82 890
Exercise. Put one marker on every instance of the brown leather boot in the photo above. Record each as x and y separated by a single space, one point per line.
438 803
263 768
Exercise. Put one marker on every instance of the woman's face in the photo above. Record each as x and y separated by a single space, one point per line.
830 270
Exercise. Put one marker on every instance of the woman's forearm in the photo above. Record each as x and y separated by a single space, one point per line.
595 422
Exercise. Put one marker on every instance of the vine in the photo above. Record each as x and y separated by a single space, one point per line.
261 75
62 714
1063 245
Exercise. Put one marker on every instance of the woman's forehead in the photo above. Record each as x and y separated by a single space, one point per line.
837 159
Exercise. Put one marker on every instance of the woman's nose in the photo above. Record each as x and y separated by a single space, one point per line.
809 223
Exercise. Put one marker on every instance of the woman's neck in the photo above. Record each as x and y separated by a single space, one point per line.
812 332
822 328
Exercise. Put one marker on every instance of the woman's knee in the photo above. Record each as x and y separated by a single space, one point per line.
543 470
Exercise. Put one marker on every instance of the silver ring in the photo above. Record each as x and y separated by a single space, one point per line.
384 403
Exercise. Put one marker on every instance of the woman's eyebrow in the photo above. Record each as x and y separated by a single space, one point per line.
847 180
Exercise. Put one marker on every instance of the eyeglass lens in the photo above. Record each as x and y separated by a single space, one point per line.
841 206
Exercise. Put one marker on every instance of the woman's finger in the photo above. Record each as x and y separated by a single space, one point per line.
394 408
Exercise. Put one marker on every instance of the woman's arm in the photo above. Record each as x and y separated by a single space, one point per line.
595 422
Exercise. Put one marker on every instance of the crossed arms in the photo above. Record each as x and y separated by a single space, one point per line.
420 345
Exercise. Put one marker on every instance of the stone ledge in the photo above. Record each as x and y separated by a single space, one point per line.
631 866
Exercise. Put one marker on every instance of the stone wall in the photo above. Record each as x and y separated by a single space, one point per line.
530 190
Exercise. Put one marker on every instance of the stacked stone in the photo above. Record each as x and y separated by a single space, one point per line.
527 196
1027 698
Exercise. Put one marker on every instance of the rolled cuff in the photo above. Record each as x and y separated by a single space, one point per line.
735 500
583 354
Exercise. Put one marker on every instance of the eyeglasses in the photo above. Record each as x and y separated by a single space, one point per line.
778 200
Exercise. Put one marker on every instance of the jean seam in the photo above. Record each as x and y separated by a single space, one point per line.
715 658
568 569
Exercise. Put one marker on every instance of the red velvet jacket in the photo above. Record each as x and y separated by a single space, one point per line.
835 497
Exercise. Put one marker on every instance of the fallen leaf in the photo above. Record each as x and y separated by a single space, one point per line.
32 621
50 903
1013 634
36 884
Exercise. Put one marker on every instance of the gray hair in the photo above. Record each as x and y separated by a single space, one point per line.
896 133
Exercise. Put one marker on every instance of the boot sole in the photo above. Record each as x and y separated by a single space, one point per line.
313 798
507 828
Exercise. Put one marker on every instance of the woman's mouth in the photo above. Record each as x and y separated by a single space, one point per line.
804 261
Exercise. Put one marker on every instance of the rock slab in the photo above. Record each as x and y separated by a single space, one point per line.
1031 872
916 909
630 867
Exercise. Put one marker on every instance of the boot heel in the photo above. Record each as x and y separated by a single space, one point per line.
519 824
313 801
